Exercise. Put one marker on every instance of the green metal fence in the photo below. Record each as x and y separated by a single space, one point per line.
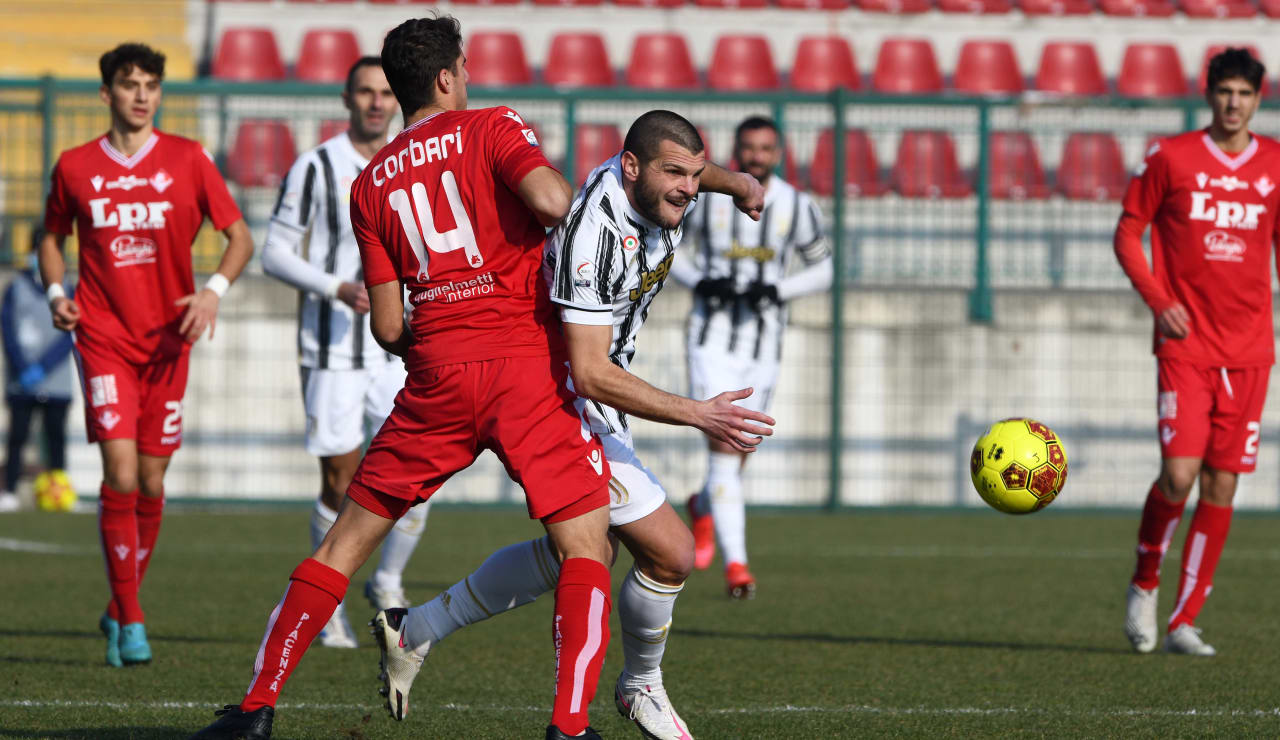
968 258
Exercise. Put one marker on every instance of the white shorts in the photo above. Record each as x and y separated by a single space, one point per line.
712 372
634 491
345 407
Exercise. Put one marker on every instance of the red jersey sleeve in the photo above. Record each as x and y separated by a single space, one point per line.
215 200
377 264
58 217
513 147
1142 202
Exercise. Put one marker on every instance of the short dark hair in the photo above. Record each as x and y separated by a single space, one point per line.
754 123
127 56
360 63
1231 63
414 52
651 129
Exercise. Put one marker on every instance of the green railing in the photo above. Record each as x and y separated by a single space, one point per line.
977 243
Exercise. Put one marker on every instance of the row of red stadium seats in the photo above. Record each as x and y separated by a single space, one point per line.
741 62
1092 167
1122 8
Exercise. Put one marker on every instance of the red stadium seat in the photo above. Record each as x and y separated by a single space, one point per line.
1015 172
578 60
650 3
247 54
262 153
926 167
742 63
660 61
1070 68
401 2
815 4
1137 8
593 143
1056 7
732 4
1092 167
1270 8
861 170
317 2
326 55
497 58
897 7
1151 71
331 127
486 2
567 2
824 63
976 7
1218 8
906 66
1213 51
987 67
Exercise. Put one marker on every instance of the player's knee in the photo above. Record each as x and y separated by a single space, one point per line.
152 484
120 476
671 565
1221 488
1176 483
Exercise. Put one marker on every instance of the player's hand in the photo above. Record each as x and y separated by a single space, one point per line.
202 313
750 196
1174 322
66 314
717 291
354 295
759 294
739 427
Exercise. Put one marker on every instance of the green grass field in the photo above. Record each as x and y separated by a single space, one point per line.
867 624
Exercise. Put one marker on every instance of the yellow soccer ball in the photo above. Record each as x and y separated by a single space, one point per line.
1019 466
54 491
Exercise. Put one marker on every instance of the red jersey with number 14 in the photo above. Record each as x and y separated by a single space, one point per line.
1214 228
437 210
136 218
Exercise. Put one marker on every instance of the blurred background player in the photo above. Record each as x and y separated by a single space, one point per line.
738 269
604 266
1213 199
349 383
137 197
485 360
37 375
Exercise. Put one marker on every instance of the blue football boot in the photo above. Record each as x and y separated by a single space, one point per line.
133 644
111 628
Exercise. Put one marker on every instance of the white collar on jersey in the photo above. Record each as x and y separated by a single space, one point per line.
128 162
346 144
1231 162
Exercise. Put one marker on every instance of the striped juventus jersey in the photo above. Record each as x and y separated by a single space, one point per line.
312 219
724 242
605 264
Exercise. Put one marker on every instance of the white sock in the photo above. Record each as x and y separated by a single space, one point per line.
322 518
399 546
509 578
729 512
644 609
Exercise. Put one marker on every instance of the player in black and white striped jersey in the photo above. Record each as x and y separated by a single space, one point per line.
349 383
743 273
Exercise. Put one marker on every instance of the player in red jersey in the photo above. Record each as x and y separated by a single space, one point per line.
1212 197
454 210
136 197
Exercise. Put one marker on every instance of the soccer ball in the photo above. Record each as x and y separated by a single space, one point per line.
54 491
1019 466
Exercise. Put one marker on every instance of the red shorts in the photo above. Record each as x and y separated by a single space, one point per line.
127 401
446 416
1211 413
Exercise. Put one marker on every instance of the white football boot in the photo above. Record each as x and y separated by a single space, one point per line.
1185 640
1140 618
399 664
648 706
337 632
382 599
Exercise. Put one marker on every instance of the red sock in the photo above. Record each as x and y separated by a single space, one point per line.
1205 539
313 593
118 527
149 512
1159 521
581 634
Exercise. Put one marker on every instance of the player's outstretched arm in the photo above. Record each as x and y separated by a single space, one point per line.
386 318
747 192
595 377
546 193
53 268
202 306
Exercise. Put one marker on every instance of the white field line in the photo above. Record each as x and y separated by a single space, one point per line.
776 709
